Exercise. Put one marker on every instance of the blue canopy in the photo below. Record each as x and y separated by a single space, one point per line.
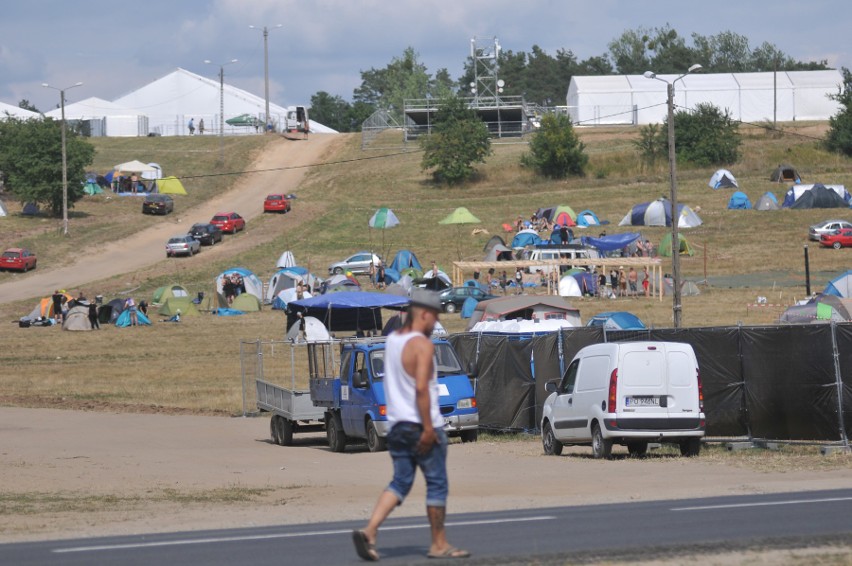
345 310
611 243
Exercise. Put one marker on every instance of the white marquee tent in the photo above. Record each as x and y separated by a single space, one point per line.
750 97
105 118
16 112
171 101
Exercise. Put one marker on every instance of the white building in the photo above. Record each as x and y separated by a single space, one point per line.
16 112
749 97
103 118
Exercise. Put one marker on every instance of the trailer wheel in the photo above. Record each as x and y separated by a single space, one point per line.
374 442
285 432
334 431
273 429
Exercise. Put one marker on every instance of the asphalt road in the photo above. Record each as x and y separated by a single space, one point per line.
640 530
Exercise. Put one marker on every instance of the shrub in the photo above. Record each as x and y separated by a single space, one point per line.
839 137
458 140
555 150
706 136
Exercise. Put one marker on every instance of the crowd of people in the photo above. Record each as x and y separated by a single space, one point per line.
232 285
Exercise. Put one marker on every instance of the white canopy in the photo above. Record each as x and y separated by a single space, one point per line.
135 166
16 112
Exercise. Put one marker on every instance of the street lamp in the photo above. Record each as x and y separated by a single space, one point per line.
64 155
266 69
221 107
676 291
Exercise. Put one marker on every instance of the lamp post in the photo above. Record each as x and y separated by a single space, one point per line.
266 70
676 290
64 155
221 107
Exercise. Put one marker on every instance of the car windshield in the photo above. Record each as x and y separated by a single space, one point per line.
377 363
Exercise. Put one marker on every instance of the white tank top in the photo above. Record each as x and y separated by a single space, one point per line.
401 389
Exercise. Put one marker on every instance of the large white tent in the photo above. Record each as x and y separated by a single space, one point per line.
16 112
104 118
171 101
750 97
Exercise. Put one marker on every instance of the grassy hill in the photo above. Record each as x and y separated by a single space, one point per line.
741 254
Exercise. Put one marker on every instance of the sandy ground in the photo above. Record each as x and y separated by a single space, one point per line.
70 474
146 247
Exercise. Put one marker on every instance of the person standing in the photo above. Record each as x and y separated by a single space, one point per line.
622 282
130 306
93 316
416 438
134 182
519 280
646 281
58 299
380 276
191 126
201 127
633 280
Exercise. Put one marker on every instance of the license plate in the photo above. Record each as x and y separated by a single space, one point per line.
642 401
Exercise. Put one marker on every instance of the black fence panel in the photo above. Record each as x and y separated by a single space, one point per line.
791 390
844 360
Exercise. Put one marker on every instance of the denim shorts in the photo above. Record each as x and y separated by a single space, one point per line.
402 444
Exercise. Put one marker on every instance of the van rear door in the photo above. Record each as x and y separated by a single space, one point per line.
682 372
642 387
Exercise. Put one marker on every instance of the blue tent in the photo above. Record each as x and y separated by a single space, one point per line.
617 320
403 260
345 310
840 286
611 243
526 238
659 213
588 218
739 201
123 319
587 282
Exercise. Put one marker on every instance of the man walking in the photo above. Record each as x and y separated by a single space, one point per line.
417 438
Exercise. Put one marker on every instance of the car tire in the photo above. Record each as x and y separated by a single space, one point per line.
273 429
469 435
285 432
334 432
601 447
552 447
637 449
450 308
375 442
690 447
837 245
26 267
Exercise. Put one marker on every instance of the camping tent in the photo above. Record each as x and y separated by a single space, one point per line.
568 287
90 188
170 186
739 201
617 320
665 247
687 288
162 294
281 280
77 318
286 260
659 213
588 218
109 313
767 202
564 215
44 308
348 310
173 305
840 286
340 282
493 241
246 302
157 173
286 296
785 174
816 196
123 320
405 259
526 237
723 179
252 284
820 309
499 253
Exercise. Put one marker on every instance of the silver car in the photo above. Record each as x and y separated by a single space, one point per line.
182 245
356 263
827 227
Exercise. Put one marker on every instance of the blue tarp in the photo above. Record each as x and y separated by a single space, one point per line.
227 312
345 310
611 243
524 239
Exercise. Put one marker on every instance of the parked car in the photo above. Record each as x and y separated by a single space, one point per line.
629 393
453 298
206 234
229 222
158 204
19 259
182 245
276 203
356 263
838 239
827 227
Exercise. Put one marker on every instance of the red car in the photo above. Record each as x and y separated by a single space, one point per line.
230 222
276 203
18 258
837 239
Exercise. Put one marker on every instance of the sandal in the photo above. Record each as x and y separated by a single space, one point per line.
450 553
365 549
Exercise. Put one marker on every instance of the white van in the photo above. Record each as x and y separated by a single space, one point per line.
627 393
556 253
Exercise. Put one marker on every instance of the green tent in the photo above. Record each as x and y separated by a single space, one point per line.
170 186
92 188
162 294
665 247
171 306
246 302
244 120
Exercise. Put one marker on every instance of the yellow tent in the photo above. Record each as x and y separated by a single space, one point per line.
170 186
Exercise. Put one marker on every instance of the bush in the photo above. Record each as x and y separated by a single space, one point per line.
839 137
706 136
458 140
555 150
651 145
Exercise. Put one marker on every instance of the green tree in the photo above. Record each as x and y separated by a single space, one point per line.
839 137
31 161
27 105
331 111
706 136
403 78
555 150
651 144
459 139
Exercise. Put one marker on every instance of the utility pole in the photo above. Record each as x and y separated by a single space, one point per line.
266 72
64 156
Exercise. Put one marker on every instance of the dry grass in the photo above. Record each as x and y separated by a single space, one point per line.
195 365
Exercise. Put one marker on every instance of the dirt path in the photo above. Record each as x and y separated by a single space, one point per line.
146 248
69 474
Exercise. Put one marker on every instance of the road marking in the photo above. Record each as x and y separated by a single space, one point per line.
282 535
762 504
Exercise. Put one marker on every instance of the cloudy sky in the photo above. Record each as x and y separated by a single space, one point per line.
116 46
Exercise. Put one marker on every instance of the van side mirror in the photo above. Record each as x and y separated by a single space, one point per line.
552 386
472 370
358 379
